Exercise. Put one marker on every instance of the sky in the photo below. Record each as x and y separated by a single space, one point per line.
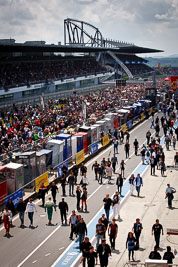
148 23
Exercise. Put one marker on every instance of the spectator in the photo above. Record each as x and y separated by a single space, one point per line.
168 255
155 255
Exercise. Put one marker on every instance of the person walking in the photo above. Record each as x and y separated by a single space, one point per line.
167 142
112 233
83 169
130 244
54 191
63 207
109 173
84 180
122 167
137 228
30 209
42 191
71 182
6 218
107 205
78 195
63 184
105 222
127 149
174 142
138 183
11 207
101 171
152 164
136 146
91 256
132 183
114 161
127 136
85 247
49 206
81 230
148 136
119 183
116 143
142 152
157 228
168 255
95 167
100 232
84 199
104 252
115 205
152 123
21 207
73 223
162 167
75 172
169 195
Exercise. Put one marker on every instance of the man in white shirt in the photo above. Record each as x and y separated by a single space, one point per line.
30 208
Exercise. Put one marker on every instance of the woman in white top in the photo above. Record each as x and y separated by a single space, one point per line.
109 173
30 208
84 180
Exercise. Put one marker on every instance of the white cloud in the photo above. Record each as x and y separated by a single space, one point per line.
144 22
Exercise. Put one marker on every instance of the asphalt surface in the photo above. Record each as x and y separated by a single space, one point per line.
42 245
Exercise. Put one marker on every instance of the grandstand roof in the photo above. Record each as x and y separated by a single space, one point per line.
20 47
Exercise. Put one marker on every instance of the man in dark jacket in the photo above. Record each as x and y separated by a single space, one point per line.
63 207
85 247
155 255
119 183
81 230
42 191
137 228
104 252
21 207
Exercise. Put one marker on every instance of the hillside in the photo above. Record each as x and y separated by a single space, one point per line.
164 61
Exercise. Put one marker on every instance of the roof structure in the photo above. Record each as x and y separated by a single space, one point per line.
20 47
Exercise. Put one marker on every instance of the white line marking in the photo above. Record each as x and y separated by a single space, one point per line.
34 261
61 248
47 254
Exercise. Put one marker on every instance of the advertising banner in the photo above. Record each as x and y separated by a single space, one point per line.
94 148
41 179
124 127
105 140
142 116
151 110
59 168
80 157
15 197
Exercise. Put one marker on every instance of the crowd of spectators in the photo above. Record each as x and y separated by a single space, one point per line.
137 69
16 73
24 125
